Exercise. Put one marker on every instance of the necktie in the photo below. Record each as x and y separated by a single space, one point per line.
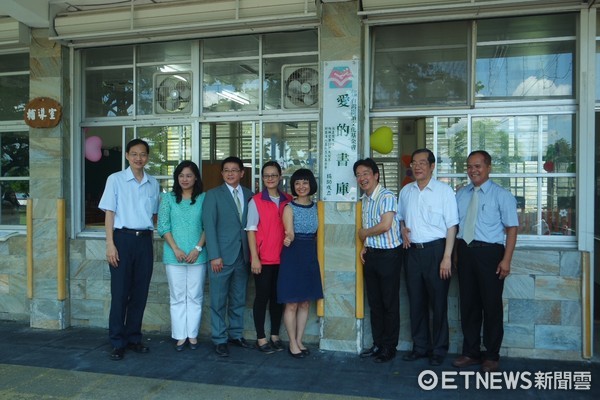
237 203
471 218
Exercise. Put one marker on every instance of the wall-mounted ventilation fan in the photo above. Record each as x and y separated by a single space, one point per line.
173 93
300 86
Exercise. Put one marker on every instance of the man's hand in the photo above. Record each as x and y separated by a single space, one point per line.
446 268
112 255
216 265
405 237
503 269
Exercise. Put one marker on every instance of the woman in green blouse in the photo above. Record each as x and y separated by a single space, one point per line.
180 224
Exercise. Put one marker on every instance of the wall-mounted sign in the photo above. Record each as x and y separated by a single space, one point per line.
43 112
340 129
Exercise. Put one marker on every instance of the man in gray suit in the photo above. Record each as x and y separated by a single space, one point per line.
224 218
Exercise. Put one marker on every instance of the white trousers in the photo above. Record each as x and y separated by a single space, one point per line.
186 287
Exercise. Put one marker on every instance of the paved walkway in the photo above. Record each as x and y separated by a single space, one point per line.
74 364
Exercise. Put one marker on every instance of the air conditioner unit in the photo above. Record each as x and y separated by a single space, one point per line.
300 86
172 93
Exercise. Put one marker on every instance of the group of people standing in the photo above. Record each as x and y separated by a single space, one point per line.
428 229
221 232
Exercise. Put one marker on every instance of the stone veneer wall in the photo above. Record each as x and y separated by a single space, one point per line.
542 296
90 294
14 304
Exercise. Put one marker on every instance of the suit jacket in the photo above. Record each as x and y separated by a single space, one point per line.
225 233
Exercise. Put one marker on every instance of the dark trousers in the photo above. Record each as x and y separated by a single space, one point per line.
382 280
129 284
480 299
266 293
426 290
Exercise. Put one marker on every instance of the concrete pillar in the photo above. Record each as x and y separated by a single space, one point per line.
49 171
341 38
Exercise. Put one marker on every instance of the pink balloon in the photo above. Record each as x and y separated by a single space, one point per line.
93 148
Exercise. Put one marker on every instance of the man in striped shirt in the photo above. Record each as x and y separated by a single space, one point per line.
382 260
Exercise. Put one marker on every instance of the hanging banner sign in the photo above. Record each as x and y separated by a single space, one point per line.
43 112
340 130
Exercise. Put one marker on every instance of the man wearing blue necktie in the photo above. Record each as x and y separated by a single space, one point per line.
487 212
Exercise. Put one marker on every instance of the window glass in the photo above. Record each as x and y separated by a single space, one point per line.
526 28
231 86
168 146
526 57
452 144
392 171
273 69
293 145
14 86
290 42
530 70
173 52
174 86
511 141
232 46
424 64
221 140
109 93
108 56
14 174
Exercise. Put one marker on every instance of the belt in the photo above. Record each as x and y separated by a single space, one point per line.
136 232
433 243
479 243
376 250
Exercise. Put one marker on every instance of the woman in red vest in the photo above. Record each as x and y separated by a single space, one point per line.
265 238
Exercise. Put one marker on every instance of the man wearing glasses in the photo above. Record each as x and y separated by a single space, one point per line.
224 218
382 260
130 201
428 215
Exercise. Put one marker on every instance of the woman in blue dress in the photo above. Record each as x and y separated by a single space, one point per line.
180 224
299 280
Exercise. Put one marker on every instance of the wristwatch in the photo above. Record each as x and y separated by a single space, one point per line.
199 248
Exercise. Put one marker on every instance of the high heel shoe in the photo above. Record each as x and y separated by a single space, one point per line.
306 352
193 346
297 355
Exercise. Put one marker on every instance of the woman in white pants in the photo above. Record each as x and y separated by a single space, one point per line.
180 224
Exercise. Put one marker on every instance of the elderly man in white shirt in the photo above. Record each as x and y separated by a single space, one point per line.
429 215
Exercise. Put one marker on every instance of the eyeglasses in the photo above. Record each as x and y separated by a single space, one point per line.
270 176
364 175
420 164
231 171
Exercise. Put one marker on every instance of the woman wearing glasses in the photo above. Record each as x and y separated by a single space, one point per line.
265 239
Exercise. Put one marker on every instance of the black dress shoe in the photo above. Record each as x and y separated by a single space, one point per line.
413 355
241 342
436 360
222 350
296 355
277 345
371 352
138 348
265 348
180 347
117 354
385 355
193 346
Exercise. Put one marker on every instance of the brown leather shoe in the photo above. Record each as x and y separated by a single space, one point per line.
489 366
465 361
